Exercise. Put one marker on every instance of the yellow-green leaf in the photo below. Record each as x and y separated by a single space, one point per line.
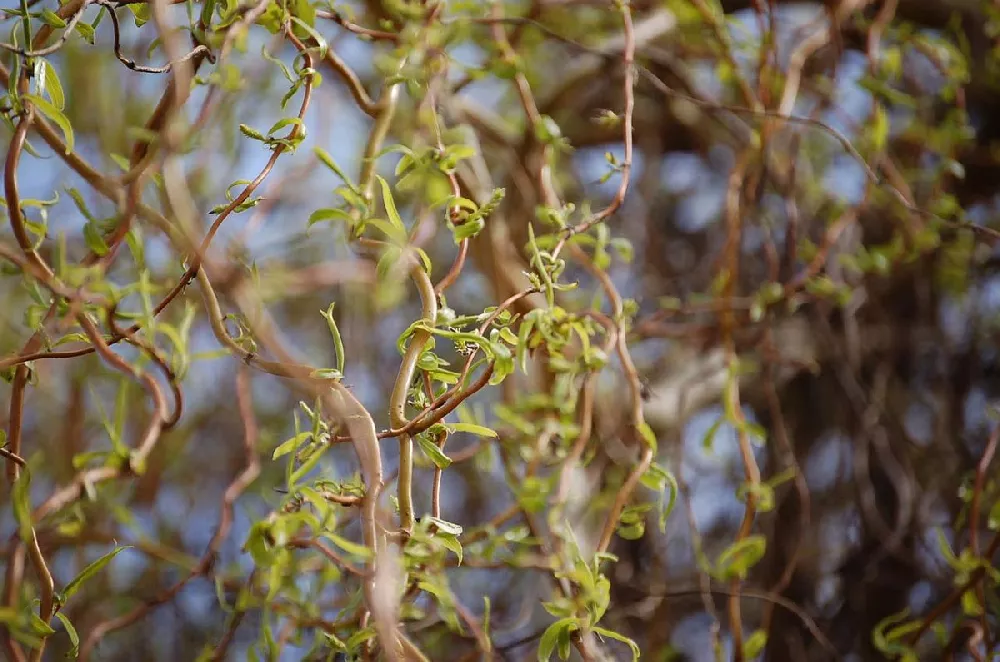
52 113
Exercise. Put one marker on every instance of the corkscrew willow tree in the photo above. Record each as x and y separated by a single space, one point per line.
427 330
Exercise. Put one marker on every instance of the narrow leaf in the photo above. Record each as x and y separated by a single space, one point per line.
390 205
472 428
433 453
91 570
51 112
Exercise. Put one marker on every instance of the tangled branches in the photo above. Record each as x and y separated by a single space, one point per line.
589 264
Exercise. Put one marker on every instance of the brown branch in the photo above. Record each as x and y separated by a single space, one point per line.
199 51
236 488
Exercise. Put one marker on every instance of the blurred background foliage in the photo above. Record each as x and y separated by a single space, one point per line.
845 257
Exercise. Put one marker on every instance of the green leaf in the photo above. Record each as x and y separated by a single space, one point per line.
444 527
120 161
994 519
273 18
74 637
555 635
945 548
286 72
533 493
326 373
360 637
523 338
140 14
433 453
886 634
91 570
648 435
468 229
86 31
311 31
879 128
250 132
737 559
503 362
754 645
548 130
21 501
52 19
453 545
290 445
604 632
350 547
328 161
971 605
338 342
713 429
453 154
40 627
472 428
249 203
303 469
94 239
81 204
257 544
282 123
560 607
395 233
352 197
390 205
55 115
632 524
53 87
406 162
80 460
668 493
321 215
